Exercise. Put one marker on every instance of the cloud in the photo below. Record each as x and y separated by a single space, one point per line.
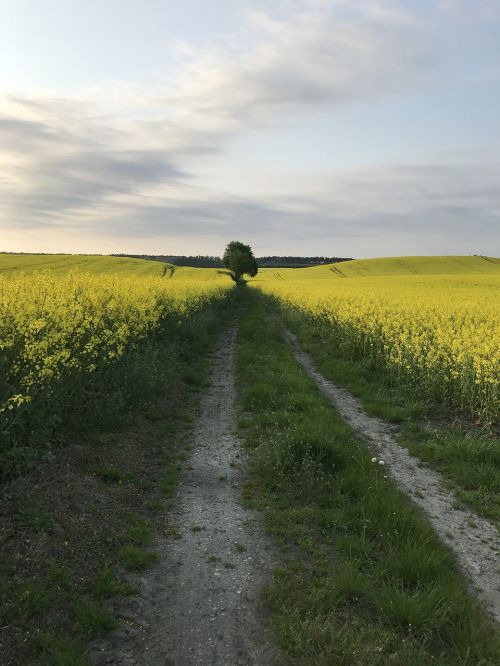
443 208
121 163
63 156
461 201
314 60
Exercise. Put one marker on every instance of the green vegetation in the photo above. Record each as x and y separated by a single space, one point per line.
107 584
94 506
31 516
239 260
467 455
133 558
365 579
387 267
80 351
94 619
63 263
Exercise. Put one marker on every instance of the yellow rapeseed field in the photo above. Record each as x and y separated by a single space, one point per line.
52 325
439 332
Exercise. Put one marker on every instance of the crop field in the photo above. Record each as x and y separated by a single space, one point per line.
63 325
63 263
126 390
433 323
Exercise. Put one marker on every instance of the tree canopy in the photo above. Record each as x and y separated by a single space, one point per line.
239 260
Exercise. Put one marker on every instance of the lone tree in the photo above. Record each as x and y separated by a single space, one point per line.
239 260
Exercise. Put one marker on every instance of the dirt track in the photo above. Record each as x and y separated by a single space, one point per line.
474 540
200 604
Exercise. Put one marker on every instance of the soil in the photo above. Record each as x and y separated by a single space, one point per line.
86 522
200 604
474 540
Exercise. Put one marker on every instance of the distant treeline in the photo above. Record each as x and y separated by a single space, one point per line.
297 262
201 261
197 261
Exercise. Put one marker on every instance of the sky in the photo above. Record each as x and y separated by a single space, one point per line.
356 128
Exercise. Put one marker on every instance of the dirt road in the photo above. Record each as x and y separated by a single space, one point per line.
474 540
200 604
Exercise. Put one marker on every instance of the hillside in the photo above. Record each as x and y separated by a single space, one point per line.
383 267
63 263
390 266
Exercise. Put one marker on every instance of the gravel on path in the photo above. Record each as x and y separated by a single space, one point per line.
474 540
200 604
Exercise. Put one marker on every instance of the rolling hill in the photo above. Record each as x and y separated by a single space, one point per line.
390 266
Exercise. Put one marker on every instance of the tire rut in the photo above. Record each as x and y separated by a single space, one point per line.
474 540
200 604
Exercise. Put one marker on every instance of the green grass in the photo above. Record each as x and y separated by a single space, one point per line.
109 474
133 558
34 518
155 505
170 482
35 598
54 650
470 461
469 458
108 584
365 579
94 619
141 530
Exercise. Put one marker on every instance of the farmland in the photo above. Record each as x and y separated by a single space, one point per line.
70 330
433 323
104 361
418 340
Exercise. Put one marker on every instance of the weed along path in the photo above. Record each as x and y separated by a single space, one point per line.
199 605
474 540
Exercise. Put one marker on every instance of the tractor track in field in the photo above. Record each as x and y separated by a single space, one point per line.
474 540
200 603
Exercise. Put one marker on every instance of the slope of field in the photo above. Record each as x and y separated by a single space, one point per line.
61 264
387 267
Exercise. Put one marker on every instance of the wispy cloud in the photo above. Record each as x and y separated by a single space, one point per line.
440 207
122 161
63 156
314 60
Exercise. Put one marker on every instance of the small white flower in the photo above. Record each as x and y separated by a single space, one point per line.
374 460
381 462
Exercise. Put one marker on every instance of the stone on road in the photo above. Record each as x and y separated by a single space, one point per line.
200 604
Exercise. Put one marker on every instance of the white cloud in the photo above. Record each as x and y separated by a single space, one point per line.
117 163
313 60
62 156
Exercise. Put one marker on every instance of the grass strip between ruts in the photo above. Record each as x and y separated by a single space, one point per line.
466 455
365 579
